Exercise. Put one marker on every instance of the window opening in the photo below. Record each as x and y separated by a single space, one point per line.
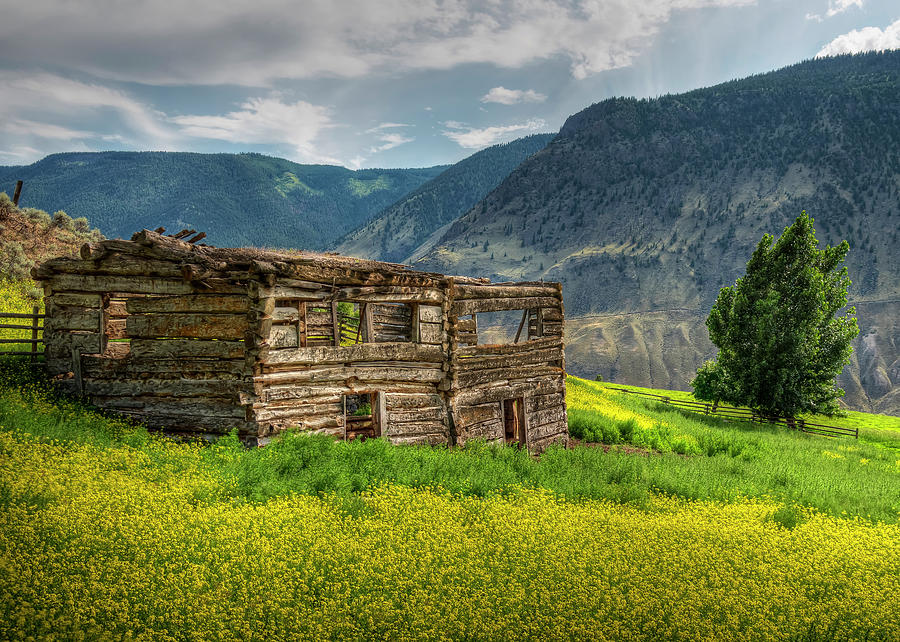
504 327
116 342
361 416
514 421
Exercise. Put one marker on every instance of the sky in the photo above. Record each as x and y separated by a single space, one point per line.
378 83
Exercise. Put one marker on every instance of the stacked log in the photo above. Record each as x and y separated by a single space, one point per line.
484 376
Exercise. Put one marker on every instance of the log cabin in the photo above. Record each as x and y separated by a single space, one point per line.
199 340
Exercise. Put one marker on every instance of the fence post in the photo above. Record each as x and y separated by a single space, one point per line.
35 310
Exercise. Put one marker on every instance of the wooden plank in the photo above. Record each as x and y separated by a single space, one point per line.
73 319
399 401
166 388
76 370
284 336
200 326
468 415
553 383
211 407
116 329
360 352
361 374
471 306
480 377
58 344
510 348
187 349
281 413
496 291
194 303
140 285
92 300
13 326
420 414
542 402
98 366
293 391
431 333
430 314
204 423
335 323
547 356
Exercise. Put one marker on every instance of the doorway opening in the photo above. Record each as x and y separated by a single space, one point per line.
362 416
514 421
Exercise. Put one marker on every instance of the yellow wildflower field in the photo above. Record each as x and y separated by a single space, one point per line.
125 543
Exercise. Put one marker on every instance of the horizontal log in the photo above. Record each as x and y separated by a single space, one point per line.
430 314
472 306
103 367
552 315
361 374
469 415
541 432
498 391
21 340
140 285
92 300
436 413
116 308
466 325
480 377
399 401
467 338
166 388
113 265
292 391
281 413
209 303
550 415
73 319
392 319
217 425
59 344
200 326
461 292
361 352
435 438
187 349
491 430
539 445
431 333
284 336
285 313
198 406
548 356
333 426
534 403
510 348
282 291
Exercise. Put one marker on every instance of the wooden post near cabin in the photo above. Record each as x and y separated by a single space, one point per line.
17 193
35 310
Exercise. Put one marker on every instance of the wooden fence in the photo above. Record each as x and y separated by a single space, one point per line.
745 414
34 324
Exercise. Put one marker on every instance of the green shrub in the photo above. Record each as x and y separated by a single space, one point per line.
63 221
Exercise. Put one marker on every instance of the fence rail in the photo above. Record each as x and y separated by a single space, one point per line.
745 414
35 326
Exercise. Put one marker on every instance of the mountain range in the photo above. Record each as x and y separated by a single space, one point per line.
237 199
644 209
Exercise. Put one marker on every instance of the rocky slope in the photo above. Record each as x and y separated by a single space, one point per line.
645 208
399 229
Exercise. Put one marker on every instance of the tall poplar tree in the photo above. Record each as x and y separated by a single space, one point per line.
781 340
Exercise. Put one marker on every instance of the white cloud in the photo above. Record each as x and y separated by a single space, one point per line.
835 7
474 138
266 121
382 126
390 141
506 96
254 44
867 39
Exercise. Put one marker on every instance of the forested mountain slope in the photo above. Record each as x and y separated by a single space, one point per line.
645 208
237 199
399 229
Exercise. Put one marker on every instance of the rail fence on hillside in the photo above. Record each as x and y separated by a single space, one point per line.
34 323
745 414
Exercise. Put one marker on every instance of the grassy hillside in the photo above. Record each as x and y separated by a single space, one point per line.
237 199
107 530
645 208
399 229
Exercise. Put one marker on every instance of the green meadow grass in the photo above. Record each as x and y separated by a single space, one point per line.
721 461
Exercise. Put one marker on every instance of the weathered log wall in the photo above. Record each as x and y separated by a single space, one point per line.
484 376
300 382
202 340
